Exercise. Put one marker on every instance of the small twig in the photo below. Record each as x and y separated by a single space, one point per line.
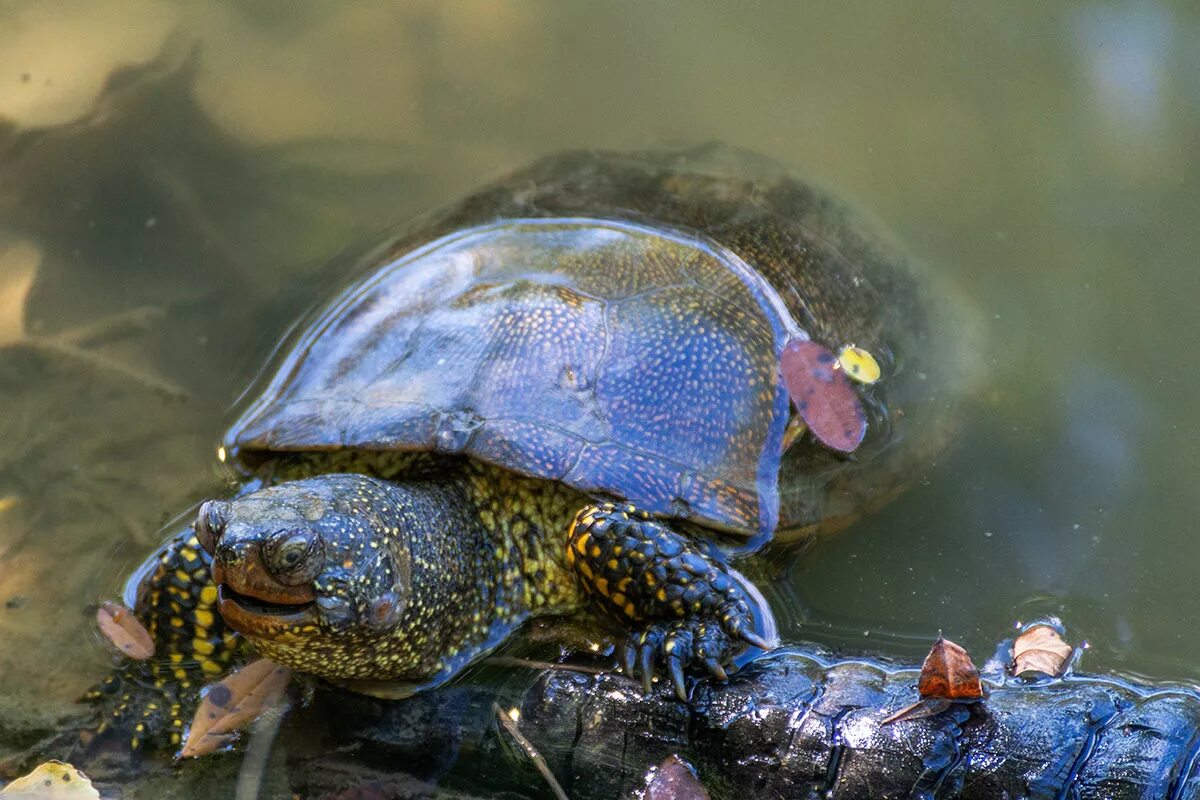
258 752
509 661
510 725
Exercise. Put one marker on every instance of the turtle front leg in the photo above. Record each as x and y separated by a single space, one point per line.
151 701
682 605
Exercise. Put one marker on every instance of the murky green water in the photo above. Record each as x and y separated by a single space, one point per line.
1044 157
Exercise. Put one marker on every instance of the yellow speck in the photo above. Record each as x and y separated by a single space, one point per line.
202 646
859 364
204 618
630 611
208 595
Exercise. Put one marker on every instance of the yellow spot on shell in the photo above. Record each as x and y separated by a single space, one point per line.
203 617
208 595
859 364
202 646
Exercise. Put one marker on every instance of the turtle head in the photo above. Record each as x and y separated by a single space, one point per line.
311 570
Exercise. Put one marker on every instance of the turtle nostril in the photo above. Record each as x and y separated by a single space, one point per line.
210 523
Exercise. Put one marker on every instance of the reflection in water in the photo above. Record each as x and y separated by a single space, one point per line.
1043 158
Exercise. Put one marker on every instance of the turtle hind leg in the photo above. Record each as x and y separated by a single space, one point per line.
683 607
150 701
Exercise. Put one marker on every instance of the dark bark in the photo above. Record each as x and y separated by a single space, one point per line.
794 724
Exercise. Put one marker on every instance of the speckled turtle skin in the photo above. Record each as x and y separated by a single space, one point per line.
561 395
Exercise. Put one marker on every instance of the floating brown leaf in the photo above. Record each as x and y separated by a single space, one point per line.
124 630
949 674
53 780
673 779
232 704
823 395
1040 649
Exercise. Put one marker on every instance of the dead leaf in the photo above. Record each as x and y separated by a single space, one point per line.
1040 649
124 630
822 395
230 705
949 674
674 779
53 780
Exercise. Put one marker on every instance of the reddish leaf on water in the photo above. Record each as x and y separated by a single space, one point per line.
949 674
823 395
232 704
124 630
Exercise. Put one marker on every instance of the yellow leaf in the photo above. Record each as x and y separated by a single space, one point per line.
858 364
53 780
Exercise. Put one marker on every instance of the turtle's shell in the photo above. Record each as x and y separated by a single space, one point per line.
614 322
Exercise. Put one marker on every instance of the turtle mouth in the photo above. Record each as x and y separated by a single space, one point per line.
254 615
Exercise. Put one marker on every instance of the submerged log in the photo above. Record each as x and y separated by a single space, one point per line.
796 723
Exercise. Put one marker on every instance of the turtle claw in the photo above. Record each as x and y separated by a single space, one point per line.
715 669
678 645
675 670
753 639
646 664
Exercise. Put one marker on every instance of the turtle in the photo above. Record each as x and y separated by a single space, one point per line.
563 394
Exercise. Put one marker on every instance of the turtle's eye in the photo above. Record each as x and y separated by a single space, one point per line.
294 556
210 523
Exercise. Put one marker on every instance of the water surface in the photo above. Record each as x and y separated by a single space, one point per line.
1042 157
